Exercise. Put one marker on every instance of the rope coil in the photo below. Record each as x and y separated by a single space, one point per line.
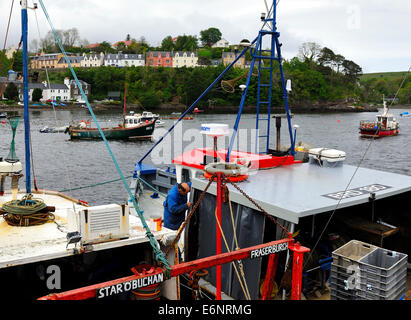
26 212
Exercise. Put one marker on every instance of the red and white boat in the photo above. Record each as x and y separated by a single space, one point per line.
384 126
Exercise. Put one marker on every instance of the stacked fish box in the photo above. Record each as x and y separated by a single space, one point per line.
361 271
383 275
345 269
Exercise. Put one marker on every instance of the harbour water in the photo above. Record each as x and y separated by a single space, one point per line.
61 164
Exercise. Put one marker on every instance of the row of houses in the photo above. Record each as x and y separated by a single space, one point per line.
174 59
67 91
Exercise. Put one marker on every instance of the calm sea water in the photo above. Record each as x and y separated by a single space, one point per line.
60 163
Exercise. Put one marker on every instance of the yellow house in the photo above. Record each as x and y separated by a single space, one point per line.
43 61
229 57
75 61
185 59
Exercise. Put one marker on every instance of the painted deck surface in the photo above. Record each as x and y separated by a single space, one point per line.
295 191
20 245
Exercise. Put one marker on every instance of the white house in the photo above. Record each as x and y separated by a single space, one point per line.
185 59
56 91
124 60
222 43
92 60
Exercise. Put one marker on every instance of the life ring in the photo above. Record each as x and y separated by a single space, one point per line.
235 172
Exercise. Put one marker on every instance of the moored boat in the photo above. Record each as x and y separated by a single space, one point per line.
384 126
142 130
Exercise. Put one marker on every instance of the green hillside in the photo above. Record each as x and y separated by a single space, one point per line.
384 75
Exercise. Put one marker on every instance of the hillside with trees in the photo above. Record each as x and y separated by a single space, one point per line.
319 76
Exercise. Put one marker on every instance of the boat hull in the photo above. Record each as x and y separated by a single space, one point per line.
143 131
378 134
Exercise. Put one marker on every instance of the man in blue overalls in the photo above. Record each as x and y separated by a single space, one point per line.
175 205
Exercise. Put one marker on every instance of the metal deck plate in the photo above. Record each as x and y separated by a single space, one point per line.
299 190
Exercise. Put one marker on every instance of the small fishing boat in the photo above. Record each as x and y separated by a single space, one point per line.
405 114
196 110
3 115
134 126
385 125
160 123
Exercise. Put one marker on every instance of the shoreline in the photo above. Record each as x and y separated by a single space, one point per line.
168 108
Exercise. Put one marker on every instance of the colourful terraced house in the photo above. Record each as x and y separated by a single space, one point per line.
159 59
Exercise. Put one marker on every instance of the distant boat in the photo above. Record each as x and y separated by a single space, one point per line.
147 115
160 123
385 126
3 115
196 110
46 129
405 114
176 113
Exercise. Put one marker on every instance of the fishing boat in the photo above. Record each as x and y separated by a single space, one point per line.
50 241
3 115
134 126
196 110
405 114
254 208
246 240
384 126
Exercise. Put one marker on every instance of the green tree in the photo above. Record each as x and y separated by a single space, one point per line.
186 43
150 99
37 94
167 44
11 92
210 36
405 94
351 70
104 47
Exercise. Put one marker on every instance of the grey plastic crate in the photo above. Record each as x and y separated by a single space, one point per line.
342 294
382 262
378 290
342 284
384 282
351 253
393 294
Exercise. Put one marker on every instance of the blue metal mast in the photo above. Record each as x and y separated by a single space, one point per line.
24 24
265 89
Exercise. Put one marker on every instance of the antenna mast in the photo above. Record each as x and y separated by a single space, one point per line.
264 90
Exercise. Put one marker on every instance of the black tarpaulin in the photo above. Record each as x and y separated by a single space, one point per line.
249 226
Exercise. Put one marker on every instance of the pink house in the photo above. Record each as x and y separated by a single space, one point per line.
159 59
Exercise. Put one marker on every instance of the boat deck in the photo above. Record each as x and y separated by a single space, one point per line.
305 189
21 245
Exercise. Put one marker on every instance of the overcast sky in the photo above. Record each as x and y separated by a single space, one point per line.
373 33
